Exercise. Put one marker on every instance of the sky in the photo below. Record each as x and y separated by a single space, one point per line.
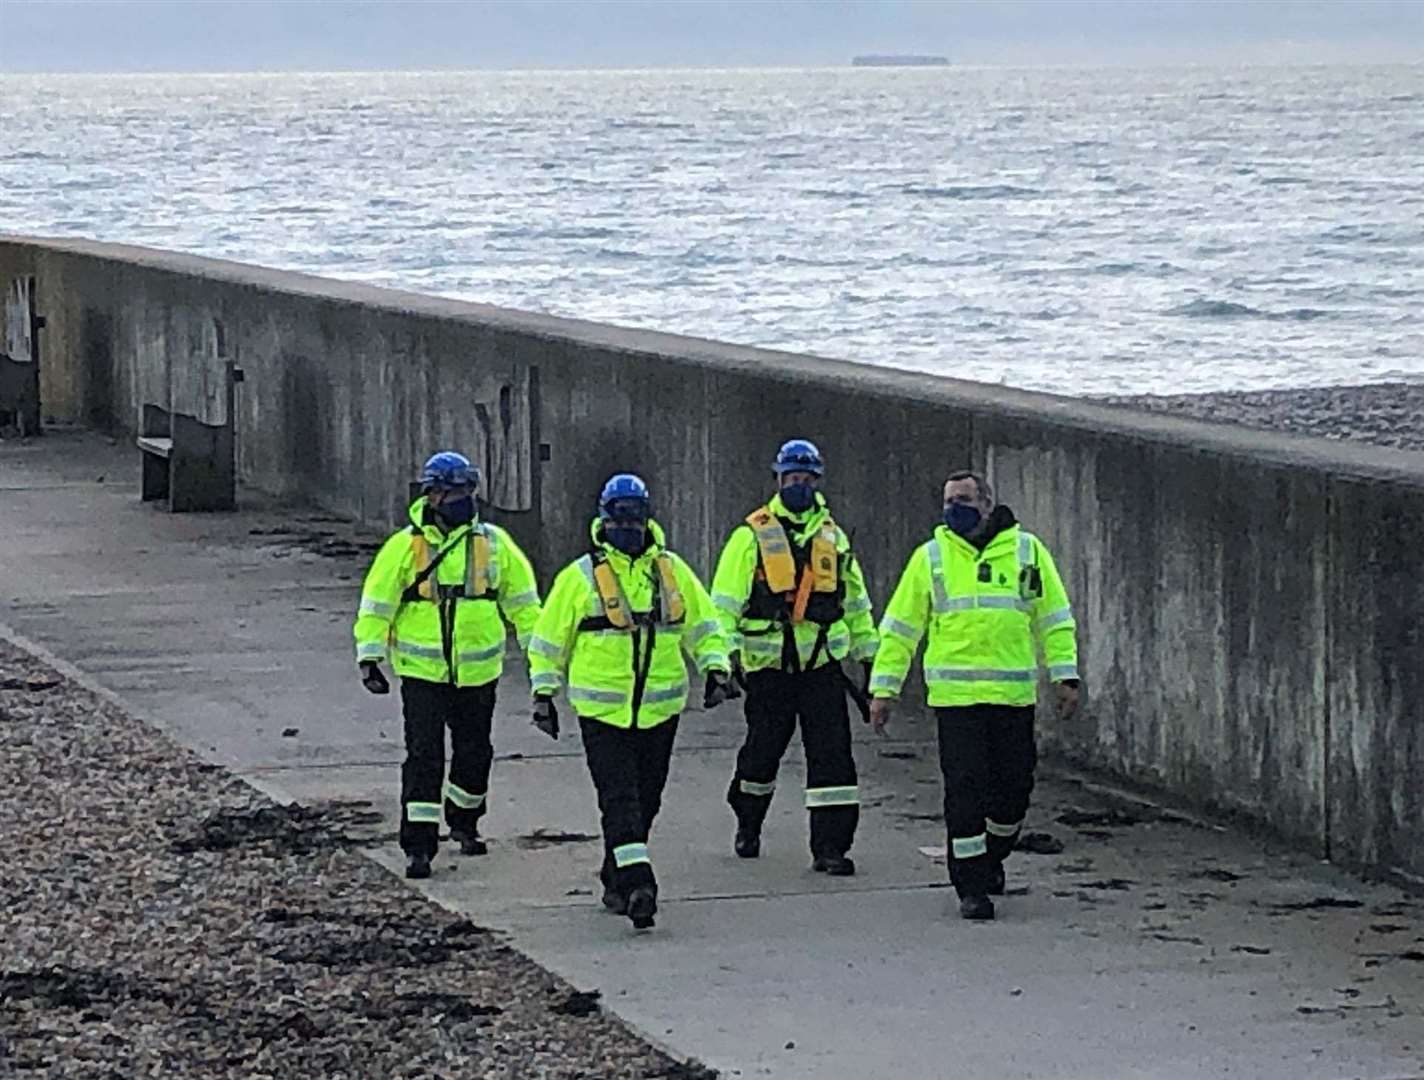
340 35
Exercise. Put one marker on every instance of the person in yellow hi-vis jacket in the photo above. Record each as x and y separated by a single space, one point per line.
792 600
618 620
989 596
431 606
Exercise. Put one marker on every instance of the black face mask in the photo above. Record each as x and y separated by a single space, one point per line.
629 539
962 518
457 511
798 498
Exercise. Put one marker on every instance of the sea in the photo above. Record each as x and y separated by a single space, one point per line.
1081 231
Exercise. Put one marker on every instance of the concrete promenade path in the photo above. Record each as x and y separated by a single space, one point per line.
1153 946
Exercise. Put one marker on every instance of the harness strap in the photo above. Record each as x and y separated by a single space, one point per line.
413 591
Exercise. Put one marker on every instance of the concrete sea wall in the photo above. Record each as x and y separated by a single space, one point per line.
1249 603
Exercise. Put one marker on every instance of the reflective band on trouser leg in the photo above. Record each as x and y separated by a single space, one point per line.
465 800
751 787
993 828
424 813
969 847
626 855
832 796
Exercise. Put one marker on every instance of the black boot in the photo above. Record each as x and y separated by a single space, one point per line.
642 906
747 845
614 900
976 907
996 881
835 865
470 841
418 867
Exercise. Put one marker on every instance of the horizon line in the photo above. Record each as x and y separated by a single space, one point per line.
842 66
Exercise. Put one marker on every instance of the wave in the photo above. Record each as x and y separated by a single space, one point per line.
967 191
1226 309
833 193
581 232
647 125
1301 314
694 257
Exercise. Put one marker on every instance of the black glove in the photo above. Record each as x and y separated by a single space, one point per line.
720 688
546 717
373 678
739 673
865 668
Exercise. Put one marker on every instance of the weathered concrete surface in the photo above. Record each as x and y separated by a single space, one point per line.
1375 692
1214 574
1154 949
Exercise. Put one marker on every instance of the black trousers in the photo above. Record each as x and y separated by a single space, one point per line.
629 767
429 709
775 701
987 755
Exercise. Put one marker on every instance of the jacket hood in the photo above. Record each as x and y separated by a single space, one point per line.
655 531
418 517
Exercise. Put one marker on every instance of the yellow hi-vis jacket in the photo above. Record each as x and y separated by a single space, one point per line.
760 640
610 666
448 630
986 614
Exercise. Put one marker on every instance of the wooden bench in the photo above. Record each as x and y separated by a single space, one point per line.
187 463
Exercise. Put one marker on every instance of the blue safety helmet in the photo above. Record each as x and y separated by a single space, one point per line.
448 471
625 498
799 455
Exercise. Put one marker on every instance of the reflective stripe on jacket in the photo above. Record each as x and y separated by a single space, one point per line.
987 614
760 641
444 639
601 676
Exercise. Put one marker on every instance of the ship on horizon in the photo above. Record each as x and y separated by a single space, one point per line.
899 60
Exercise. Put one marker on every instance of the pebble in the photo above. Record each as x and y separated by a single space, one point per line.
1385 414
161 918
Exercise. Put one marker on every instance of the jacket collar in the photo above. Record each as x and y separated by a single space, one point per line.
806 522
1003 532
421 518
619 560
